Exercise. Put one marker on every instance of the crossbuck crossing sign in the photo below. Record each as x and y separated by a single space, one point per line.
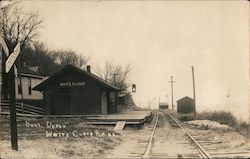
12 58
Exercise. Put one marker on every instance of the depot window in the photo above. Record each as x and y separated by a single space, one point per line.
30 91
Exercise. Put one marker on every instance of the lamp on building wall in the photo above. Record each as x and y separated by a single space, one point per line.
133 88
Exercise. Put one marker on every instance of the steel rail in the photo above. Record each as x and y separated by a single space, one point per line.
147 153
204 153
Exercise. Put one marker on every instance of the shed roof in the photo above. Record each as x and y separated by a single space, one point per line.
163 103
184 98
42 86
27 70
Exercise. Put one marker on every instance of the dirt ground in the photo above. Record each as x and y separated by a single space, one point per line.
223 140
134 142
59 148
63 139
130 142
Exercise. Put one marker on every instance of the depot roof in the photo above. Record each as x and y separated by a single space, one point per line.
45 85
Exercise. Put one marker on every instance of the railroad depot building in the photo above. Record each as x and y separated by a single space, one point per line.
73 91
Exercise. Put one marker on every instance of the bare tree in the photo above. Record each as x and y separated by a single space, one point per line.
19 26
16 25
65 57
106 71
115 74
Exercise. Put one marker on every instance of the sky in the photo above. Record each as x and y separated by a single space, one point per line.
160 39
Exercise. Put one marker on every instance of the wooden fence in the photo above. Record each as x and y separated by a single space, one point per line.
22 108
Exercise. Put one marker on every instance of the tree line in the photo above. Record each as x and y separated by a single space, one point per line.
50 61
20 26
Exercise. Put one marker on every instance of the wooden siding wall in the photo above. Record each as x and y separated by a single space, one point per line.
185 106
86 101
35 95
112 104
79 100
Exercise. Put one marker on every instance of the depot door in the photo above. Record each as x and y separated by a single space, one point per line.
104 103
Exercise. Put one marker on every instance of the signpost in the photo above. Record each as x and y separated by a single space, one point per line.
11 73
13 122
12 94
10 70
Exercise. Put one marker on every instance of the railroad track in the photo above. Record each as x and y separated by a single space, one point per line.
203 152
168 143
173 148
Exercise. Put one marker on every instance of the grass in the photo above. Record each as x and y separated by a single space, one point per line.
243 128
221 117
161 120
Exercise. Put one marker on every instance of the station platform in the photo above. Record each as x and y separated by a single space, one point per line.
131 117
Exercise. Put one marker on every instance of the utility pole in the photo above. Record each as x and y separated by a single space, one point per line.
194 90
172 91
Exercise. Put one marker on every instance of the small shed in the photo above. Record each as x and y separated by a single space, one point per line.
75 91
185 105
163 106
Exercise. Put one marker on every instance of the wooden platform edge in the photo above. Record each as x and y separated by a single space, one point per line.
104 122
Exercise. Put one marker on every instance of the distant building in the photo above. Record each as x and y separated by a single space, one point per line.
163 105
24 87
75 91
185 105
24 82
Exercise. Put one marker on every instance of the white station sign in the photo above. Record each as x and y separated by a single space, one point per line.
12 58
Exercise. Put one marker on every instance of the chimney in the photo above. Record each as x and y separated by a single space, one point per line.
88 69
